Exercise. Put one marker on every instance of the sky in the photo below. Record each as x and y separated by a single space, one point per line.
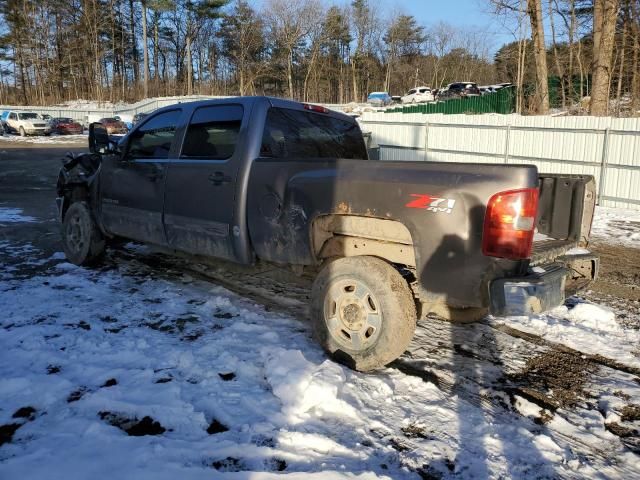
473 14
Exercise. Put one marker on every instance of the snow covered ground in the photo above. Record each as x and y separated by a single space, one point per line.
13 215
51 139
136 371
616 225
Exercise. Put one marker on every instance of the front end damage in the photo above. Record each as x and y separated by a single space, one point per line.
75 179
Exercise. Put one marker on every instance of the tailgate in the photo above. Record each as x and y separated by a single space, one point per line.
565 212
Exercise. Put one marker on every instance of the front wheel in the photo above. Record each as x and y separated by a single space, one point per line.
363 312
82 240
22 132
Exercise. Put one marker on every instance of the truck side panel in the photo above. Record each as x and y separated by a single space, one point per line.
442 206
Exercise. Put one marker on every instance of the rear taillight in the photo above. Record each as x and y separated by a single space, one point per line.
509 224
315 108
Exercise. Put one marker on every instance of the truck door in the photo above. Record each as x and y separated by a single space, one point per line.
200 189
132 182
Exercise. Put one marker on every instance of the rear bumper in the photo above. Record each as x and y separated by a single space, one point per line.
37 131
544 287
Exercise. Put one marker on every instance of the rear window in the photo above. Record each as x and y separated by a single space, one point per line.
213 132
295 134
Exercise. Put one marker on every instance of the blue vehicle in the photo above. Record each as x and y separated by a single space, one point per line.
379 99
3 121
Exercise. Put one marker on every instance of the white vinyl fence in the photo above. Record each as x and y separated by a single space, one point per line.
607 148
86 115
126 112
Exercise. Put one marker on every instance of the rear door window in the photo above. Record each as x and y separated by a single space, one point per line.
295 134
154 138
213 132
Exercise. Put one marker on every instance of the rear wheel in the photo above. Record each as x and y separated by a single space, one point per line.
82 240
363 312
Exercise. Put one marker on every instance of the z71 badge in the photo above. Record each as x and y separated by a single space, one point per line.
432 204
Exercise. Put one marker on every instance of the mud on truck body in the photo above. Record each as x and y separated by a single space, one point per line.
259 179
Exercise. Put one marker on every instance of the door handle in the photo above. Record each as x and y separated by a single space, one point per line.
218 178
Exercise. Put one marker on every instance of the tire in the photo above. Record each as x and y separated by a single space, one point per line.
83 243
363 312
22 132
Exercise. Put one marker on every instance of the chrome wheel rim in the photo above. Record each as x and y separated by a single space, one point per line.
352 314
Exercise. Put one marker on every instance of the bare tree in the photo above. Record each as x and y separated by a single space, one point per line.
534 9
605 15
290 21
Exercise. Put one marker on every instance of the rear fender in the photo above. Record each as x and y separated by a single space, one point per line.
349 235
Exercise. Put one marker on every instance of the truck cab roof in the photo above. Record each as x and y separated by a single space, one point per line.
248 101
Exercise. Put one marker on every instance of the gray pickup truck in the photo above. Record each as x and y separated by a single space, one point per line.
259 179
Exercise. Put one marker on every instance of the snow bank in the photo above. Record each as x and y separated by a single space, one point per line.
302 386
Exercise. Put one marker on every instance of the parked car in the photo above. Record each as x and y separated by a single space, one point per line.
138 117
459 89
379 99
263 179
3 119
128 121
26 123
114 126
418 95
66 126
487 89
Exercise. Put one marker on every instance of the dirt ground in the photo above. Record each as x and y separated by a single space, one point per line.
618 285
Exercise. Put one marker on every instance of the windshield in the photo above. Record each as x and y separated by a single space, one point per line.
28 116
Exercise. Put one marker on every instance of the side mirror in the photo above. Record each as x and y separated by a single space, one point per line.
99 139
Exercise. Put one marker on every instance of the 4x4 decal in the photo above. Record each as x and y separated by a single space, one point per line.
432 204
